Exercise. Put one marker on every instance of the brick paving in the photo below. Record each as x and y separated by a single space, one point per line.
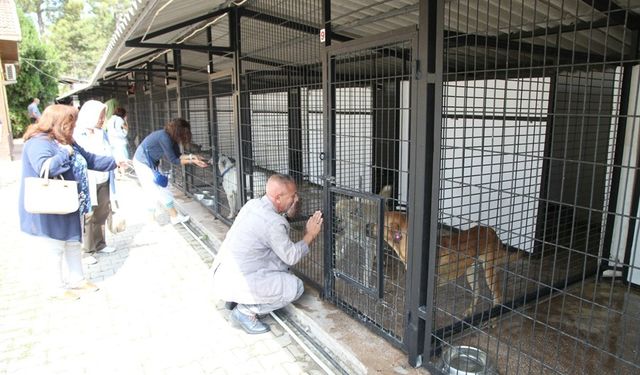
154 312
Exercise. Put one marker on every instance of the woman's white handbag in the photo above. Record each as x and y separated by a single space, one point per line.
50 196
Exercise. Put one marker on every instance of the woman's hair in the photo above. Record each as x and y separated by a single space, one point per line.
120 112
179 131
57 121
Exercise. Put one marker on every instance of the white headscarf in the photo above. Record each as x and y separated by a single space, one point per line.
92 139
89 114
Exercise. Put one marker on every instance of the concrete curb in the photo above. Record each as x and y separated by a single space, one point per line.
339 353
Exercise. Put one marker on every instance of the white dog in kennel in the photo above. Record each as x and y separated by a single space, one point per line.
228 173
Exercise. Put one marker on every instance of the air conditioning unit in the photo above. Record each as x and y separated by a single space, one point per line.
10 72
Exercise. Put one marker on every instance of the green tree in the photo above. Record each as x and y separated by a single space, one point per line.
46 11
82 33
37 77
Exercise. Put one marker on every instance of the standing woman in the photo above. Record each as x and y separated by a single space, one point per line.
59 236
89 135
164 143
117 130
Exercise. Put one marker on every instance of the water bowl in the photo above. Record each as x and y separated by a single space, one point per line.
466 360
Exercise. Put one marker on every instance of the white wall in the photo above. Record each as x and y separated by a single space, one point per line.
492 168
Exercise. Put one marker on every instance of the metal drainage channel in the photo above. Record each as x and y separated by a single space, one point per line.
314 349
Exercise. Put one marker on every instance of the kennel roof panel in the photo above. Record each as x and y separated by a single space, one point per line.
148 16
517 33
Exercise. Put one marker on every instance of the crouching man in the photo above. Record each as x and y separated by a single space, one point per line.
252 266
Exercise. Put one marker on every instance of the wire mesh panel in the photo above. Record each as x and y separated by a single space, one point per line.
281 109
132 123
159 102
194 95
537 117
143 107
370 111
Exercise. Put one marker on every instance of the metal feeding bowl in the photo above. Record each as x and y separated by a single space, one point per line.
207 202
198 196
466 360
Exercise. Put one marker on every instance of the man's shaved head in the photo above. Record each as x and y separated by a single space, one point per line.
279 183
282 191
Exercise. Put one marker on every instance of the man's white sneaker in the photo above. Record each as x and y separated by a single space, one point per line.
89 260
107 250
179 219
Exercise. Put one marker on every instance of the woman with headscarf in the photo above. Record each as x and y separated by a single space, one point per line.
57 237
89 135
117 130
164 144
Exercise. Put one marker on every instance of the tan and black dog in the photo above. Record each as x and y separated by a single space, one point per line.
458 254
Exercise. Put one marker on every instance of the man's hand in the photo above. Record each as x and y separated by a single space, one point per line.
314 224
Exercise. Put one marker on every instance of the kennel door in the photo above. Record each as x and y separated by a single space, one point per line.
367 94
357 242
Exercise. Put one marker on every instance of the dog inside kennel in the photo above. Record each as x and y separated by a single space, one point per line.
537 201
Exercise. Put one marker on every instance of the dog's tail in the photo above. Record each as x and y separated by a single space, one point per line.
386 192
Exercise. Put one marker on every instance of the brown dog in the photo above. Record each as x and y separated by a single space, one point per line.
458 254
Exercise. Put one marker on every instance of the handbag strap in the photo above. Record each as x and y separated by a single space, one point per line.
44 171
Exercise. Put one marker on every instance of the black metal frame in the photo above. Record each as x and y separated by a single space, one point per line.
329 76
424 195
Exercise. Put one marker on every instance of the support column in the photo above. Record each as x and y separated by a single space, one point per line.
423 188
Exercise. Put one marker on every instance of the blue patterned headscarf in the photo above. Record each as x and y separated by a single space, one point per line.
79 169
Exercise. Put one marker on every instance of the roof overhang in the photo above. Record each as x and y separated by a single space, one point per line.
10 33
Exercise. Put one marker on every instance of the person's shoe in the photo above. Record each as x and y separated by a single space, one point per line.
179 219
230 305
107 250
89 260
86 286
249 323
67 295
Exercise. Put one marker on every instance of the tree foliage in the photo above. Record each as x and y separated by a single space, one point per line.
37 77
80 30
46 11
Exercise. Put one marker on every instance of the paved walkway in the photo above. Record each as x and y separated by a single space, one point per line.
154 313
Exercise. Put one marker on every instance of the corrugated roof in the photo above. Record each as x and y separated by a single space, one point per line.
493 31
147 16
